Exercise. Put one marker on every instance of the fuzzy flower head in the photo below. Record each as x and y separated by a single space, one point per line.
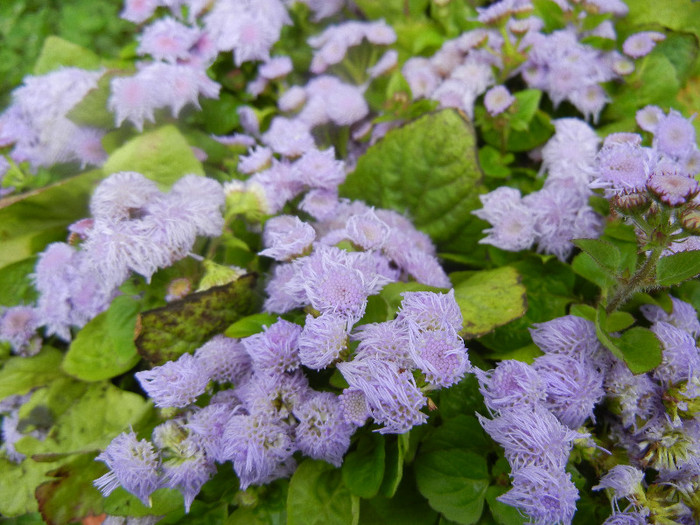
392 397
18 325
624 480
674 135
431 311
439 354
176 383
367 230
322 340
511 384
133 465
641 44
286 237
568 335
387 341
497 100
276 349
547 497
224 359
322 432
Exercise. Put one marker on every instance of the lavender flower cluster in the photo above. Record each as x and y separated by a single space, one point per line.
134 228
653 418
559 212
263 410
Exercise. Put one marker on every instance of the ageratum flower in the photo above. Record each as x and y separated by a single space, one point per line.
322 340
133 465
176 383
276 349
512 384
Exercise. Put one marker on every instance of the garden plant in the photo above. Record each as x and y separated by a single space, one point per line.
422 262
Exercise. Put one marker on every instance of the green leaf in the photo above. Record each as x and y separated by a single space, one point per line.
162 155
587 267
30 221
71 496
92 110
220 115
462 398
58 53
406 506
583 310
86 417
540 129
317 496
16 285
640 348
493 163
391 293
164 502
679 15
676 268
363 468
396 449
428 170
451 475
19 480
105 347
489 299
606 254
21 374
502 513
527 102
618 321
164 334
249 325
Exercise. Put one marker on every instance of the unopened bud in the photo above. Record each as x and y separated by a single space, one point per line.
630 203
690 220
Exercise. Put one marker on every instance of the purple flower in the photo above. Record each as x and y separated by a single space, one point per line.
387 341
531 437
439 354
497 100
276 349
671 185
392 396
291 138
640 44
674 135
133 465
188 474
167 39
511 384
276 396
568 335
320 169
649 117
624 480
123 195
547 497
622 166
258 446
354 406
224 359
286 237
258 158
176 383
627 518
322 340
430 311
573 387
18 326
682 316
681 357
322 432
638 396
284 290
367 230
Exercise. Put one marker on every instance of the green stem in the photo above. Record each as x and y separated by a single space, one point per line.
641 279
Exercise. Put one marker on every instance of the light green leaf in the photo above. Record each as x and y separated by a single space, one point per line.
58 53
317 496
21 374
92 110
640 348
451 474
679 267
493 163
16 286
428 170
164 334
164 502
105 347
586 266
162 155
527 102
363 468
70 496
30 221
251 324
19 480
489 299
86 417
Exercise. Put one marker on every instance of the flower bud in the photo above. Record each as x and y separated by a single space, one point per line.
631 203
690 220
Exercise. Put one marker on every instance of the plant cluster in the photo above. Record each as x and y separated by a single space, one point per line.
244 255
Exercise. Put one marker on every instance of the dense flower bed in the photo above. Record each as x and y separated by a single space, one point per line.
355 262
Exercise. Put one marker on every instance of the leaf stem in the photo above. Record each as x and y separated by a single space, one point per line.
644 277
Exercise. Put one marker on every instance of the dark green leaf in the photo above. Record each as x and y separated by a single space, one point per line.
640 348
493 163
679 267
163 156
317 496
502 513
363 468
220 116
489 299
164 502
583 310
618 321
407 506
526 102
427 169
606 254
249 325
105 347
71 496
396 449
462 398
164 334
451 475
21 374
